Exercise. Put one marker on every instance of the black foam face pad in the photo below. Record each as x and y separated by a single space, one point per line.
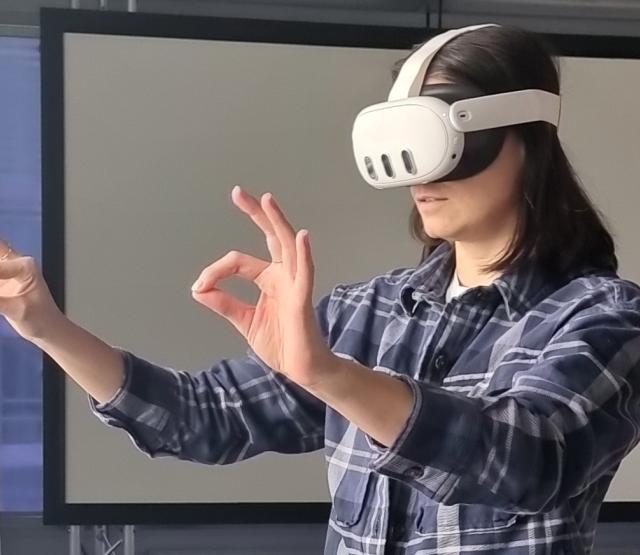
481 148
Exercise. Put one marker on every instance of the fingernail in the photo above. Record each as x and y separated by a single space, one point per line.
197 286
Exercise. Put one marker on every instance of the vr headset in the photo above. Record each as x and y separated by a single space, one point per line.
439 132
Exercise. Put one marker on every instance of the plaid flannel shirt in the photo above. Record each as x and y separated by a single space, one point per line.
526 399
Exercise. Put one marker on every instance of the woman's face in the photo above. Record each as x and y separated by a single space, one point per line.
483 207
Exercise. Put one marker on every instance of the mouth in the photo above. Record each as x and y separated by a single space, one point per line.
429 198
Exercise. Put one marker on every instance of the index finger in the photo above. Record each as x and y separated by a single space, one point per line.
234 263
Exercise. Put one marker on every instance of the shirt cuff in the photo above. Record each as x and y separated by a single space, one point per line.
436 443
136 406
104 408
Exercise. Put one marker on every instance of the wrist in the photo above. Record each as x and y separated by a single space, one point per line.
49 328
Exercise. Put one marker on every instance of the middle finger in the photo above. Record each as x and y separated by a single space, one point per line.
250 206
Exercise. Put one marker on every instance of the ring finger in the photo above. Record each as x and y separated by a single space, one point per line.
284 231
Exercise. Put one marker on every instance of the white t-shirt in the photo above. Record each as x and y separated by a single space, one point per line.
454 288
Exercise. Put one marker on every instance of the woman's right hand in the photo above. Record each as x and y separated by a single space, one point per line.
25 299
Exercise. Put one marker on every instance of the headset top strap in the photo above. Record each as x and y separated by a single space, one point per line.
409 80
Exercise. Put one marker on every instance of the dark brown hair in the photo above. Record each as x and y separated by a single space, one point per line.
558 227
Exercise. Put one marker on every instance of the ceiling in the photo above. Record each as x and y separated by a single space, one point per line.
609 17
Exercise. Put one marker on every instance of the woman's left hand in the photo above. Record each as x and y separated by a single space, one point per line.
281 328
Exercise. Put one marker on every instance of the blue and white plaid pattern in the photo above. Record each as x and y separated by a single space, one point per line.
527 397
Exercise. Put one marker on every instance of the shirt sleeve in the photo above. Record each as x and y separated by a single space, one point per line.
564 422
231 411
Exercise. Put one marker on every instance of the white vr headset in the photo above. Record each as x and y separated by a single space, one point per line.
439 132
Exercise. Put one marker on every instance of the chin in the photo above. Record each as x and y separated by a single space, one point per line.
436 232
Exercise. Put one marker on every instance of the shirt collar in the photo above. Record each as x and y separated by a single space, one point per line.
520 289
524 288
430 279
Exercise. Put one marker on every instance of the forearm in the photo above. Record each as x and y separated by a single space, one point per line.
460 449
376 403
93 364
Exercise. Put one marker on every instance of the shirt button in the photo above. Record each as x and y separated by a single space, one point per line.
440 362
482 295
414 472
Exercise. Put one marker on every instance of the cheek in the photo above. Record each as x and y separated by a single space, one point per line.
487 204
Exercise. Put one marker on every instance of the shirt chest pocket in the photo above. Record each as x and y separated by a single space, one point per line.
435 519
348 492
467 378
487 372
349 476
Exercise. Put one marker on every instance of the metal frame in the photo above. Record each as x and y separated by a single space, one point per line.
54 24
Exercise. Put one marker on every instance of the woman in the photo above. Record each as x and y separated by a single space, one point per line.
480 402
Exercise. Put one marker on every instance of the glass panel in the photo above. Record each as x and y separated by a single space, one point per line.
20 224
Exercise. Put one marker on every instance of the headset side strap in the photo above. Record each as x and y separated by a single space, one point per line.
499 110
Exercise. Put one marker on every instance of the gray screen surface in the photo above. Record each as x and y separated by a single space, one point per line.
157 131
